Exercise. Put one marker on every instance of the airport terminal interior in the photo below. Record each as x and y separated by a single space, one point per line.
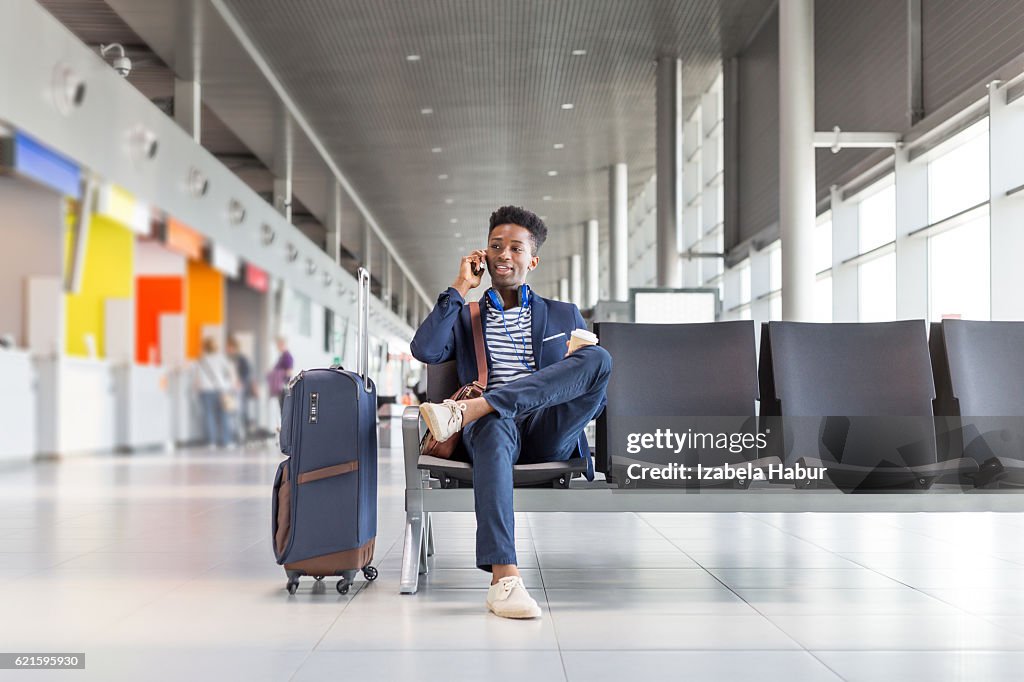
797 222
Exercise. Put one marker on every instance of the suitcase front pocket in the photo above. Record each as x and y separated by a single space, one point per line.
326 516
281 510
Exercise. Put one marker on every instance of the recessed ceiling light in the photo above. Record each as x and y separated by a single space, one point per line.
457 235
552 173
578 53
436 150
567 105
453 221
442 176
412 57
543 217
558 145
426 111
449 200
546 197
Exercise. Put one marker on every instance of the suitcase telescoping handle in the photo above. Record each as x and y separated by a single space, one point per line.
363 361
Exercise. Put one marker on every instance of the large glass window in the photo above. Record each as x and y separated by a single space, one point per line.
958 176
877 217
775 269
876 285
823 299
743 271
959 271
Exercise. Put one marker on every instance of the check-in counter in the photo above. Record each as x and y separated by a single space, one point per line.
143 407
17 406
76 407
186 419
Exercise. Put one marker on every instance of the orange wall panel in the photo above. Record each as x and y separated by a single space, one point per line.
184 239
154 296
204 303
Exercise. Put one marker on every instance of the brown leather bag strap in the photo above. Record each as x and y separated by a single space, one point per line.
328 472
478 343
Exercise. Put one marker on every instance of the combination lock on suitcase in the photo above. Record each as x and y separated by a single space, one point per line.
325 493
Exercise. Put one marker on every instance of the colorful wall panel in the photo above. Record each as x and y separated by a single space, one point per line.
183 239
204 302
154 296
108 273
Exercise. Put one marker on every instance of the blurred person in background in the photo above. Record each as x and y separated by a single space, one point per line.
247 387
281 373
216 383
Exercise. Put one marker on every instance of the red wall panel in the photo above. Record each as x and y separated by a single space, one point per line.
154 296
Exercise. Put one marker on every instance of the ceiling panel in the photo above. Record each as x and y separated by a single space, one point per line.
494 74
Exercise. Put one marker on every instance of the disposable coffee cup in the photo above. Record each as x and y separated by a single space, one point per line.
581 338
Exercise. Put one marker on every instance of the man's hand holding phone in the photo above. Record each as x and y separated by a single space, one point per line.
471 270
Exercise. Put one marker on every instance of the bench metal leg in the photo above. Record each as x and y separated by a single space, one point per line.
430 534
413 554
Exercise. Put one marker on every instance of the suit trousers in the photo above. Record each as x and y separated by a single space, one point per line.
537 418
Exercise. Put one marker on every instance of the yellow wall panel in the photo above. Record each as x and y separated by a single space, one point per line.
108 273
204 302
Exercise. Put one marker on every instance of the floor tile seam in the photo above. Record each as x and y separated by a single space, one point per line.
201 575
826 665
740 597
987 617
918 590
334 622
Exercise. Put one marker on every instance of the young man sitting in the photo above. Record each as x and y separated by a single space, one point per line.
538 400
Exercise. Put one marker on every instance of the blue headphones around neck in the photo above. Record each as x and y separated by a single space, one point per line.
524 302
524 298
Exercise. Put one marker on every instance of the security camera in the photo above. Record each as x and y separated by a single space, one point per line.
123 66
121 63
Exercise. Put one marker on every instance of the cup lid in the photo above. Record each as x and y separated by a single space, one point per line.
585 335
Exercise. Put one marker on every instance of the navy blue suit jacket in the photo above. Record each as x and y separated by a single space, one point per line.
447 334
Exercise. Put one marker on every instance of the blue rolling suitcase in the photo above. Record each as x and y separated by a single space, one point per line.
325 493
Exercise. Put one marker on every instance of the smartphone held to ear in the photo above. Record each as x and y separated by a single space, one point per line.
478 269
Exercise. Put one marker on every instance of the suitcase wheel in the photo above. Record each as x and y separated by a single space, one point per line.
370 573
342 586
293 581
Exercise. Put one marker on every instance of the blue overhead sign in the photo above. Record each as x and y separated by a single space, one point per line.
33 160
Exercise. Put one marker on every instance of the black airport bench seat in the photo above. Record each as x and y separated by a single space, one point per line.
860 400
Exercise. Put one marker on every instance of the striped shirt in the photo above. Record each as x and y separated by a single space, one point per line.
508 349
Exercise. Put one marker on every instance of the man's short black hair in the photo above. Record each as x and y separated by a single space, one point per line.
520 216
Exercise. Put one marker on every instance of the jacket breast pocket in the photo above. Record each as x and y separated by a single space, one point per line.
553 348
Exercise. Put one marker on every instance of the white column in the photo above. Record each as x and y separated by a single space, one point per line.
385 283
911 252
1006 213
590 263
669 106
367 253
188 107
563 289
403 298
283 168
576 279
618 232
334 220
796 157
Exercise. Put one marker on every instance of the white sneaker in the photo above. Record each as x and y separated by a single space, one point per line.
444 420
508 598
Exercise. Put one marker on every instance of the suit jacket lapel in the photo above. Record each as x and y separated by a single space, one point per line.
539 316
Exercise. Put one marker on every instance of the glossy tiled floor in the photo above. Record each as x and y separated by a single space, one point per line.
159 567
